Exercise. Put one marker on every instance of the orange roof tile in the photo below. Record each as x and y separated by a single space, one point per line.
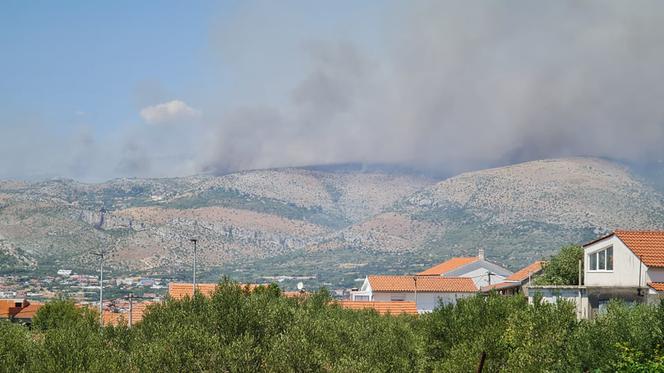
382 308
647 245
500 286
659 286
425 284
524 272
180 290
29 311
449 265
117 318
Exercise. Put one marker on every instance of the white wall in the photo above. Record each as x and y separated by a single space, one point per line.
426 302
554 294
626 265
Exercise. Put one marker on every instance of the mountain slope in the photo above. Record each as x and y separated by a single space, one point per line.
518 213
335 225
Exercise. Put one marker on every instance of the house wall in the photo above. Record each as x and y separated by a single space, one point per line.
577 296
426 302
625 271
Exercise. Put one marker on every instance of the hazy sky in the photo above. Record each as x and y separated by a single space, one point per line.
95 90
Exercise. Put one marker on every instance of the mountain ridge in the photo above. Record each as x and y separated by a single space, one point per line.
254 223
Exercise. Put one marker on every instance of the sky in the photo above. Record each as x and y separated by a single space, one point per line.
100 90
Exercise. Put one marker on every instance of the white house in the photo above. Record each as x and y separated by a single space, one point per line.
482 272
628 265
426 291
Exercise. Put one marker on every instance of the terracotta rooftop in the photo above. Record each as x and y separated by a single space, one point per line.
117 318
500 286
524 272
28 312
659 286
8 307
647 245
179 290
425 284
382 308
447 266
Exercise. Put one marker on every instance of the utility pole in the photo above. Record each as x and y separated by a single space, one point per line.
101 254
415 279
131 308
195 241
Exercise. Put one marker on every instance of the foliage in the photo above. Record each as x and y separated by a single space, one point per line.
238 330
563 268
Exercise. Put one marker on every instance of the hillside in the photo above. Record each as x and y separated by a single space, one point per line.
146 224
336 225
517 213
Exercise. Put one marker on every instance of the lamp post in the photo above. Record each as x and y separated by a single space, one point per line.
195 241
101 254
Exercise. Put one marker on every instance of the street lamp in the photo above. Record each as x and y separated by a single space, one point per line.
101 254
195 241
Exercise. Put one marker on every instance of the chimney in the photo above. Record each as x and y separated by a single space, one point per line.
480 254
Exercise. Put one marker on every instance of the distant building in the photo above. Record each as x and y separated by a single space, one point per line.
427 292
482 271
64 272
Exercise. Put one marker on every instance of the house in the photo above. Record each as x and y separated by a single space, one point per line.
482 272
627 265
427 292
518 281
383 308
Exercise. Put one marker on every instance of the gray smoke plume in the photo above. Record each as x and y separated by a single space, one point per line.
466 85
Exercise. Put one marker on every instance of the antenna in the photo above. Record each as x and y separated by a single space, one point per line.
101 255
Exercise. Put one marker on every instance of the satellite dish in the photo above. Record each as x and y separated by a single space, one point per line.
300 286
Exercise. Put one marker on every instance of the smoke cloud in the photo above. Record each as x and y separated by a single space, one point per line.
440 85
464 85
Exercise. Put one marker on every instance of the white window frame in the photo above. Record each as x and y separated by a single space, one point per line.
604 249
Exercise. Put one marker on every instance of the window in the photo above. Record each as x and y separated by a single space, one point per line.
601 260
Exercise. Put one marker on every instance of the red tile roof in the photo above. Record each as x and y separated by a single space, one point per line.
425 284
647 245
500 286
28 312
117 318
659 286
382 308
181 290
8 307
524 272
449 265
